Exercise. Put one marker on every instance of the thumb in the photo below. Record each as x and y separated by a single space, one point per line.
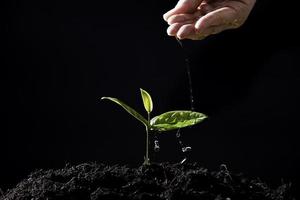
183 7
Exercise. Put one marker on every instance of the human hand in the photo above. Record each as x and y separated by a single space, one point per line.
197 19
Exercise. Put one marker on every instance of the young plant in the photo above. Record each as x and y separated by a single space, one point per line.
165 122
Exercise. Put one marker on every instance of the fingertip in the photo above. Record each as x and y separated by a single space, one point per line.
170 20
185 31
169 31
181 18
172 29
168 14
165 16
199 25
180 36
172 12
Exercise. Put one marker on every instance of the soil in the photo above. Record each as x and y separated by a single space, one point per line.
91 181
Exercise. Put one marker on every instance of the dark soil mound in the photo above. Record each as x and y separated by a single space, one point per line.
157 182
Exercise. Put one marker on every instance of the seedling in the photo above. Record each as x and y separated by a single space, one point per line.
165 122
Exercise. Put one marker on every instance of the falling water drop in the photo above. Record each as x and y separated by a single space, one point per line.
226 174
223 167
180 142
186 149
183 161
188 70
178 133
156 146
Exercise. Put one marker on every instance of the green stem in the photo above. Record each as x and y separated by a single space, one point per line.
147 160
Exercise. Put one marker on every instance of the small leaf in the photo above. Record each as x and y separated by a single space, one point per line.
147 100
128 109
176 119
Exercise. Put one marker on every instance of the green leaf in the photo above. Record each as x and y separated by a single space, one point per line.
128 109
175 120
147 100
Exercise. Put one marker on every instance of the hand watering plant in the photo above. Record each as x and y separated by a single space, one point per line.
165 122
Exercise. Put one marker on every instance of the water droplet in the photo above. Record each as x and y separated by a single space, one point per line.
178 133
183 161
223 167
183 147
186 149
156 146
180 142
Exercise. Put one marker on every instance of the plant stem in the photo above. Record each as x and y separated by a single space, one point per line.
147 160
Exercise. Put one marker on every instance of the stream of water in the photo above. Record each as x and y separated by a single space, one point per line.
184 149
188 71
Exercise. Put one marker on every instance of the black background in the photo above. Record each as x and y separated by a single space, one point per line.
61 57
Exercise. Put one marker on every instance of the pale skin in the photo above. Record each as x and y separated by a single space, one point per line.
197 19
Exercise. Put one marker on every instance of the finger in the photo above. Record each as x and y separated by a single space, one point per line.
183 6
209 31
219 17
185 30
213 30
196 37
178 18
173 28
